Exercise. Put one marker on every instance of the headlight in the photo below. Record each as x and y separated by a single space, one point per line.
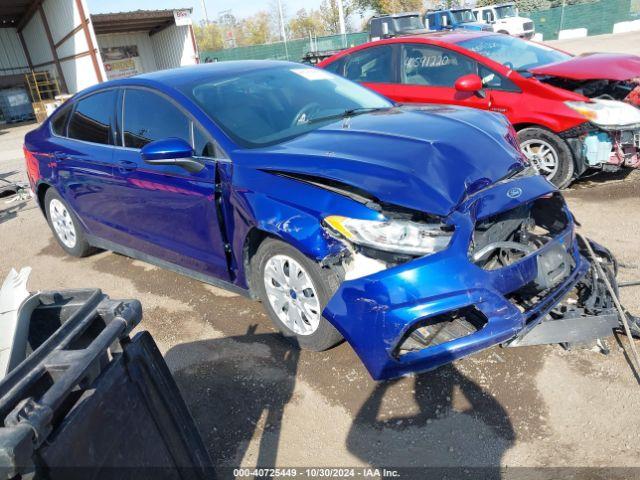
607 113
400 236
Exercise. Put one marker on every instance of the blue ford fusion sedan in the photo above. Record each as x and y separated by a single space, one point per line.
418 234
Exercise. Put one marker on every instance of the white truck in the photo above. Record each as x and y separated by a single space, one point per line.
505 18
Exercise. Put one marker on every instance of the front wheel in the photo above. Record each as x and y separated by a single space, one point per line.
549 154
294 291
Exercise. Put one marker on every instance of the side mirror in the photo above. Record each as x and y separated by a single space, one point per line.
469 83
385 29
171 151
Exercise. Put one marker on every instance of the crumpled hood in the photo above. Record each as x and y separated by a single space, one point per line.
424 158
605 66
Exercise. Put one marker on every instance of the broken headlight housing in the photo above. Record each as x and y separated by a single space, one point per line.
607 114
393 235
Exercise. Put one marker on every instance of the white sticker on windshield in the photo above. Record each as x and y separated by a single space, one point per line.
312 73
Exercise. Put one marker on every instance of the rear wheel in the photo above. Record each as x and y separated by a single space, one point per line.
65 226
294 291
549 154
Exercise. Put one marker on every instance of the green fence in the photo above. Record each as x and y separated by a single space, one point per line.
294 50
597 17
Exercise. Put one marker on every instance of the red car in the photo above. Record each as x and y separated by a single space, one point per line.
573 114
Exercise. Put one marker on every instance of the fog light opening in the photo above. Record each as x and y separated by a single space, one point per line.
440 329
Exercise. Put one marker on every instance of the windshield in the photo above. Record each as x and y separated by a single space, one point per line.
514 52
506 11
463 16
270 105
411 22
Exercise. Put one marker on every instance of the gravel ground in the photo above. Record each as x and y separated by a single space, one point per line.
258 401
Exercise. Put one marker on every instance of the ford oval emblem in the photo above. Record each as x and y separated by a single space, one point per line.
514 192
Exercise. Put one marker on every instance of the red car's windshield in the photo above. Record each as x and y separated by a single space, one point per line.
514 52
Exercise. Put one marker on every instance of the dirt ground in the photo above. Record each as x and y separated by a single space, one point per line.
258 401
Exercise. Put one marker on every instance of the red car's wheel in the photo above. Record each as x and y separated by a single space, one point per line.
549 154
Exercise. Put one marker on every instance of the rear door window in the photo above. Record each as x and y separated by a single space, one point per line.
148 117
92 118
59 121
372 65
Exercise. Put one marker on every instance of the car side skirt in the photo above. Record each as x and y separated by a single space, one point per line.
187 272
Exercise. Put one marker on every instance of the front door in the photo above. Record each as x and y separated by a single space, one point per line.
428 75
171 213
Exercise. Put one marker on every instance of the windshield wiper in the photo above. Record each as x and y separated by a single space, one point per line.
352 112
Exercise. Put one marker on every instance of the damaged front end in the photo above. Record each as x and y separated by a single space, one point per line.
610 137
510 265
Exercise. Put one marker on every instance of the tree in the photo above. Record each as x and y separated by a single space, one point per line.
330 17
390 6
305 23
208 36
254 30
523 5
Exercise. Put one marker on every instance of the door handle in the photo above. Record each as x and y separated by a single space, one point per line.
125 166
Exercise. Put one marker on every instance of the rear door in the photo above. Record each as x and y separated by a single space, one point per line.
170 213
83 159
373 67
428 74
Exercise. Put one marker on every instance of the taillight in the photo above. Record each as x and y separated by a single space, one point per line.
33 167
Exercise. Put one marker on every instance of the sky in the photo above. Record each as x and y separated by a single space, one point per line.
240 8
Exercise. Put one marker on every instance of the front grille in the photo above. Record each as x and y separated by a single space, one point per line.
527 26
505 238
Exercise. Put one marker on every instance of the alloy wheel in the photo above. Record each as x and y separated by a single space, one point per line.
542 156
62 223
292 295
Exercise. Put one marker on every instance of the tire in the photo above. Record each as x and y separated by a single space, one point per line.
275 263
556 165
503 32
65 226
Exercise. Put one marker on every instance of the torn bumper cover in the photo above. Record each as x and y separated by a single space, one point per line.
427 312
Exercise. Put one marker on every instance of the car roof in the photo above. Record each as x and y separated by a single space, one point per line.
441 37
176 77
211 70
445 36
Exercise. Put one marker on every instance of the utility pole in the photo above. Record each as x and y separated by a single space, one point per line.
343 29
206 15
283 30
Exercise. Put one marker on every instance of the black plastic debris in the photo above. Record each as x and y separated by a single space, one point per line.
89 402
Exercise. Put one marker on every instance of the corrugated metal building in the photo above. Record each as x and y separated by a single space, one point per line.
65 44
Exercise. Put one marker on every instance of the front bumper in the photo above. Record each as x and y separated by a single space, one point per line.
375 312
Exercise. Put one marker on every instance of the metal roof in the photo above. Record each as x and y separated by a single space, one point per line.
136 21
12 11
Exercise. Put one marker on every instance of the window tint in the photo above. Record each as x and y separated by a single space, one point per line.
149 117
91 120
495 81
427 65
372 65
336 67
59 122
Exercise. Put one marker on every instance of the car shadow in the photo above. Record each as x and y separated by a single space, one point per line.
237 389
235 397
456 429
